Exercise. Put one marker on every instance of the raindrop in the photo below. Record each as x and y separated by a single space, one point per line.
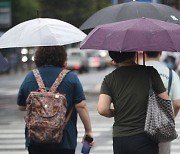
173 17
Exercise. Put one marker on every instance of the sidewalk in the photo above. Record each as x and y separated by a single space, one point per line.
91 82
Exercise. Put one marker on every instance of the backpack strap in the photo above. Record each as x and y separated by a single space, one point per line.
67 118
150 79
58 80
55 86
38 78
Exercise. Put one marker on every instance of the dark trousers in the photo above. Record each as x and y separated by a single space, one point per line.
136 144
40 150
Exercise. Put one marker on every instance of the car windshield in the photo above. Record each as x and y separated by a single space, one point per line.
74 55
92 54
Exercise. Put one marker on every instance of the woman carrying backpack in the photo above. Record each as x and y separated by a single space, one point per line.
50 62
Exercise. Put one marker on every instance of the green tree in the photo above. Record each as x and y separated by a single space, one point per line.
23 10
72 11
173 3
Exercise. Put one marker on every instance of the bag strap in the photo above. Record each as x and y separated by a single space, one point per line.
58 80
150 80
170 80
54 88
38 78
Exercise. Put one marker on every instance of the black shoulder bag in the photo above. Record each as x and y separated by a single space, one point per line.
159 124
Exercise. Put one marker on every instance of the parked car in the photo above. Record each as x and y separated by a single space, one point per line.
12 56
77 60
97 59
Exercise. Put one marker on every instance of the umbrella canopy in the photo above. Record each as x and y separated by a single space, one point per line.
41 32
131 10
141 34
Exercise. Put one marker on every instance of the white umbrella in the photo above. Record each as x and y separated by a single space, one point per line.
41 32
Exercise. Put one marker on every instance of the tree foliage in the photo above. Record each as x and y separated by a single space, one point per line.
23 10
72 11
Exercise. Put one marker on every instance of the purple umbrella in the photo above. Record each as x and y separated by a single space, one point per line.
142 34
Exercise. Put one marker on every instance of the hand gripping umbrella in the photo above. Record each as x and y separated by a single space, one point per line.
140 34
41 32
131 10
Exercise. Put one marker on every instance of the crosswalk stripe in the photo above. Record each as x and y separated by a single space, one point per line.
12 146
13 152
11 131
101 129
105 148
8 92
11 136
81 134
12 140
16 141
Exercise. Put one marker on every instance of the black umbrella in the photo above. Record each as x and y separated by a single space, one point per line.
131 10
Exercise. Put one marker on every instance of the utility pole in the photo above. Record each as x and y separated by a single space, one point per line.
177 4
172 3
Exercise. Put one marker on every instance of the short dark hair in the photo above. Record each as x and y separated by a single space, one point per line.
121 56
50 55
152 54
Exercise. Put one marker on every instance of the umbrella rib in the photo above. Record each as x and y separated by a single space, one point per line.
127 32
157 10
170 37
124 39
52 33
166 32
20 36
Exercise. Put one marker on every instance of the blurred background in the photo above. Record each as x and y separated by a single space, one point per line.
13 12
90 65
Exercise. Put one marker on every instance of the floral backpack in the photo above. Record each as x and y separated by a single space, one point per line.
46 111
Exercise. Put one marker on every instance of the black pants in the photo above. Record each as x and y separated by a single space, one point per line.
136 144
40 150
